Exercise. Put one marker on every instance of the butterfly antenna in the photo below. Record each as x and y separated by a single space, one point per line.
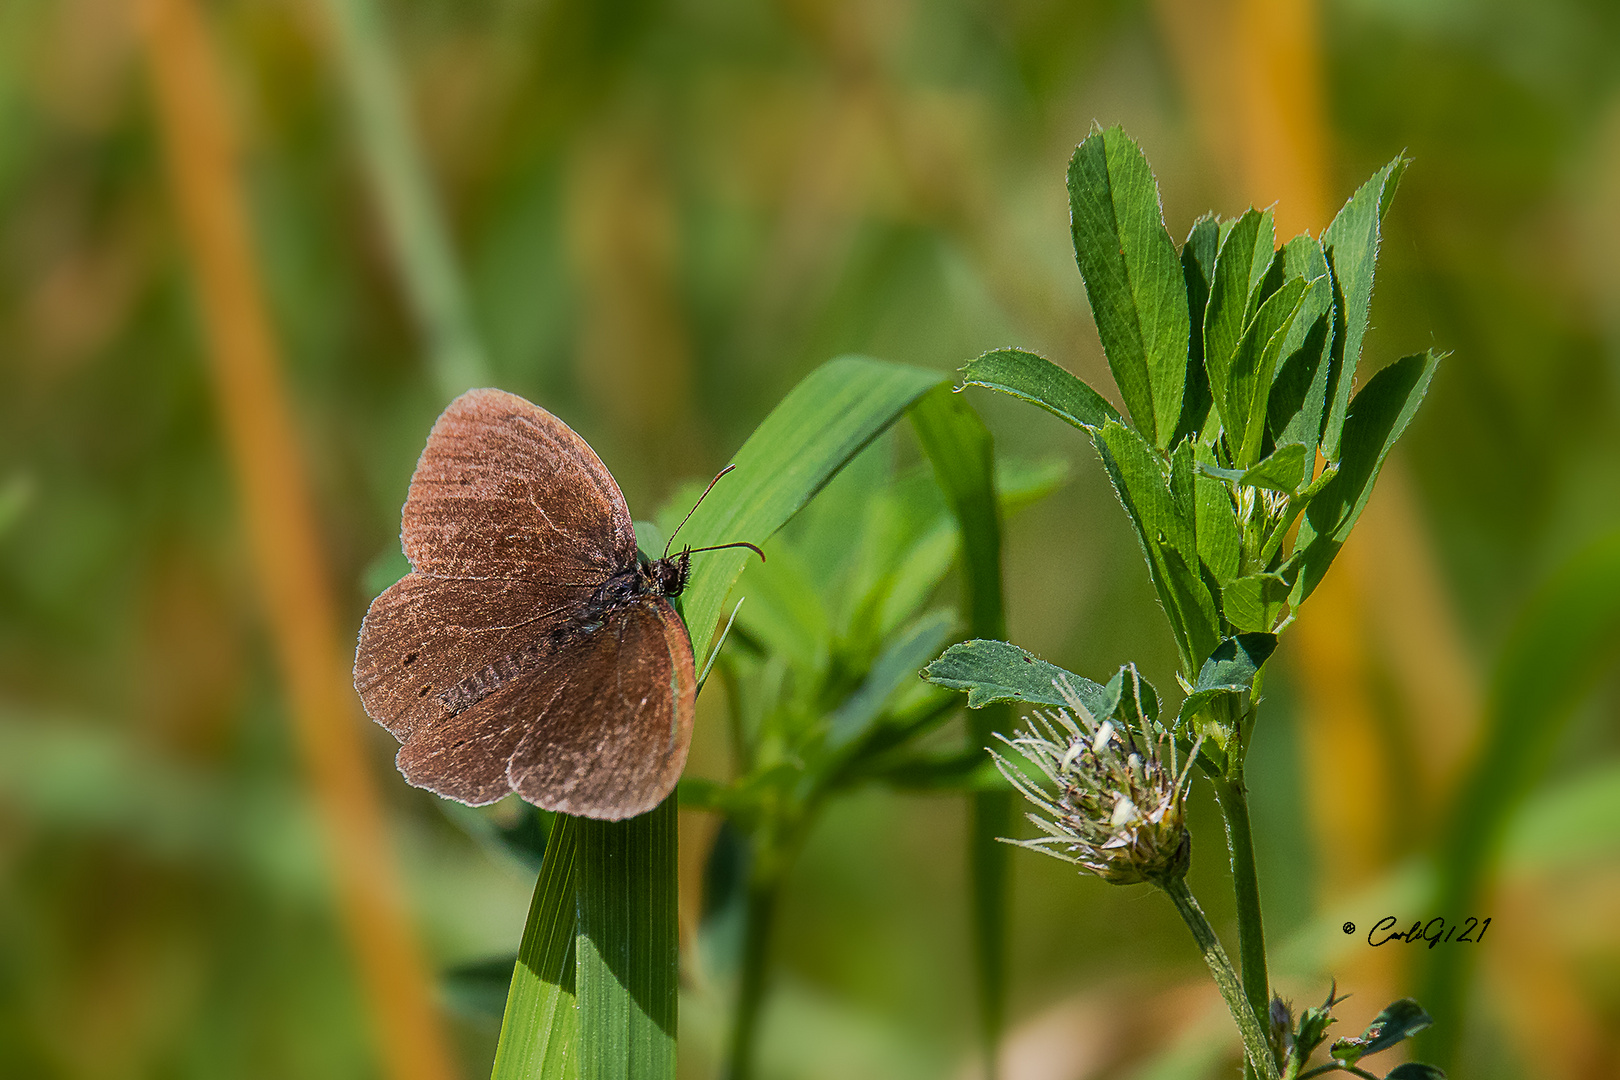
697 504
722 547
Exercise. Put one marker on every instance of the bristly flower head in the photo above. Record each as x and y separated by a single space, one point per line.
1114 798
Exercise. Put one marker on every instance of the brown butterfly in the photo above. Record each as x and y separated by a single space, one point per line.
529 649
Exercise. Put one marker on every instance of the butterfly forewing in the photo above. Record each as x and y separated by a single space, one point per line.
505 489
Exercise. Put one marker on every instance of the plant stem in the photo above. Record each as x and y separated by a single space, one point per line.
1234 800
1247 1018
757 920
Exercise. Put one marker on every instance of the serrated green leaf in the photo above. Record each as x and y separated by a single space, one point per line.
1198 271
1299 388
1219 541
540 1028
994 671
1036 379
1378 416
1244 396
1133 277
1245 255
1400 1020
1281 470
1351 245
1168 540
1235 662
1253 603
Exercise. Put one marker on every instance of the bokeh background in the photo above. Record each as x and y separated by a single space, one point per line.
249 248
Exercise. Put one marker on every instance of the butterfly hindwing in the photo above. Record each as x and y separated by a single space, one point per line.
429 643
612 741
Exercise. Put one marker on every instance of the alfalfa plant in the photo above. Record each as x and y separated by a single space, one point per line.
1243 464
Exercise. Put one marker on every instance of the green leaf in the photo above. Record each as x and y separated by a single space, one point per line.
823 421
1565 639
1243 398
896 665
1198 271
540 1030
1253 603
1219 541
1378 416
1245 255
963 455
1133 277
1280 471
783 610
962 770
1399 1020
1351 246
1038 380
1299 388
626 944
992 671
1167 538
1235 662
1415 1070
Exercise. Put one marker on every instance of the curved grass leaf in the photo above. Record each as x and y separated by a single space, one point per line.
1036 379
963 455
1568 635
540 1029
823 422
627 946
622 939
1133 277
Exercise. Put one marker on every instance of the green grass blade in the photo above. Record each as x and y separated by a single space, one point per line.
627 945
1569 635
404 194
963 454
1037 380
830 415
540 1030
1133 278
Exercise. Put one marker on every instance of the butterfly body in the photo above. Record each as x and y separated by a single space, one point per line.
531 648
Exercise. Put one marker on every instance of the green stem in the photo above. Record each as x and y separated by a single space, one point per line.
757 919
1247 1018
1234 802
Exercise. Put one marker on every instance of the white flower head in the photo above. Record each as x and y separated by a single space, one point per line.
1114 795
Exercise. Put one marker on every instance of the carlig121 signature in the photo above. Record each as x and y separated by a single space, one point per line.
1435 931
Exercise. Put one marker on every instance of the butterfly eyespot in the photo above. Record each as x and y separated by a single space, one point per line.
410 658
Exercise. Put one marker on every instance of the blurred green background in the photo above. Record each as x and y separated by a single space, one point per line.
665 213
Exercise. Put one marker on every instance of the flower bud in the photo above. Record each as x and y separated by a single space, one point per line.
1113 798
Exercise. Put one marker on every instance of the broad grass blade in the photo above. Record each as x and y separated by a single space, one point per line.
540 1030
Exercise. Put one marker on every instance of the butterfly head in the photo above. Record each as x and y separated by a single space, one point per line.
667 577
